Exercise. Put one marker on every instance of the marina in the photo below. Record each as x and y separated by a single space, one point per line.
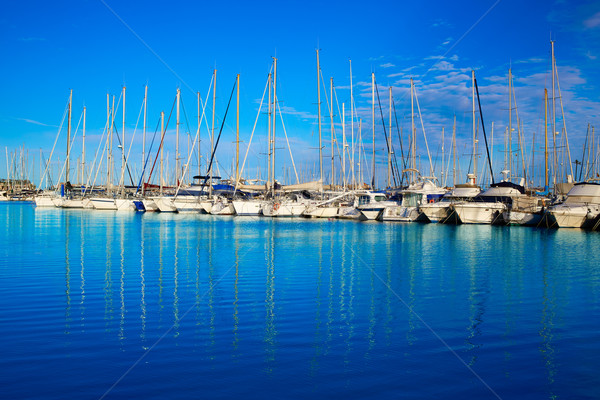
300 200
158 305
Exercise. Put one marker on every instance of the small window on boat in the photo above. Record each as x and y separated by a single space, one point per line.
380 198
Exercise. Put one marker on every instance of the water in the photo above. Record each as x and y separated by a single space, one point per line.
158 306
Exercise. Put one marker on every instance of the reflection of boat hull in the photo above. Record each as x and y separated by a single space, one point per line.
479 212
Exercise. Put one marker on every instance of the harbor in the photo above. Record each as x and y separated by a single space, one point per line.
292 200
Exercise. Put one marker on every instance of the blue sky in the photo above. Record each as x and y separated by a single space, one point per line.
95 47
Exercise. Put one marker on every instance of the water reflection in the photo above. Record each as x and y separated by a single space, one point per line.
307 300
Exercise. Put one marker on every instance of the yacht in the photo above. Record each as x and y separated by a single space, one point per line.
488 206
416 195
579 209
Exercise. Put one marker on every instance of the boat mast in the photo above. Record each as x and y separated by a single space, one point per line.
273 127
474 129
352 126
344 146
413 131
269 142
82 150
454 152
199 152
319 119
510 169
144 138
389 182
332 180
69 137
177 140
212 136
555 160
546 140
162 137
123 147
237 134
373 127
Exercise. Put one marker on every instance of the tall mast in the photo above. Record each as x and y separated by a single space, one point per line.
373 126
443 158
555 158
69 137
360 177
389 146
344 146
319 118
352 126
274 123
510 171
546 139
144 135
212 135
199 152
107 140
413 130
123 145
237 133
332 180
162 136
82 150
177 140
474 129
110 144
269 141
454 152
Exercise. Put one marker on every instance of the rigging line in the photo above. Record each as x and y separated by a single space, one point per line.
130 146
423 128
400 140
124 159
147 158
253 128
163 134
55 141
212 156
288 142
163 62
387 143
483 128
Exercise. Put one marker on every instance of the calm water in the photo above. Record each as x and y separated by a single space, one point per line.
174 306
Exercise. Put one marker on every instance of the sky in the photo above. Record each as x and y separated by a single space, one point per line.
98 47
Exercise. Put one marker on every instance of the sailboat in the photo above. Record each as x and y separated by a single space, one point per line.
422 190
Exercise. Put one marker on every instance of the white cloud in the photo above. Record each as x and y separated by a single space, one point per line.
593 21
31 121
387 65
